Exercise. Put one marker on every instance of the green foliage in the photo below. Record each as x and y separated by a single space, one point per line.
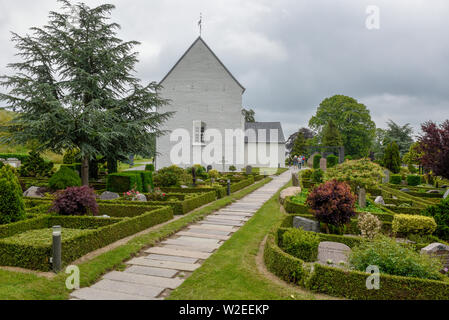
232 168
332 161
149 167
316 161
331 135
395 259
63 178
20 156
395 179
301 244
214 174
317 175
249 115
71 156
123 182
416 224
440 212
369 225
413 180
75 89
352 119
392 158
299 146
362 173
306 174
12 207
147 180
172 176
35 166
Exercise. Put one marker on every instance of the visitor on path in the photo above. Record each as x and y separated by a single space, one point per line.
295 161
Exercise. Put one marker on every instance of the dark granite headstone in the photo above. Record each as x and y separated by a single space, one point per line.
306 224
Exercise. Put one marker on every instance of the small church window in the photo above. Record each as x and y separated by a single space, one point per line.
199 129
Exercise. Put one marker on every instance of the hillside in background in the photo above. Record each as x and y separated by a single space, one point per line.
6 116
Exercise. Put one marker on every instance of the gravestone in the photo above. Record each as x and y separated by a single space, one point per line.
323 164
362 198
379 200
306 224
140 197
249 169
438 250
33 192
446 195
386 179
209 168
295 180
13 162
334 251
107 195
433 191
405 190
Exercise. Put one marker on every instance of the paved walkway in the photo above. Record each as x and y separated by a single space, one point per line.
162 268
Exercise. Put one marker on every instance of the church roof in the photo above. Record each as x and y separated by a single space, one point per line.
205 44
256 126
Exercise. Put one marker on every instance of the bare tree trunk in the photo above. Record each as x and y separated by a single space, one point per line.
85 171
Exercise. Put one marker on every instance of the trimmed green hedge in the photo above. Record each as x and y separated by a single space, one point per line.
407 210
242 184
220 191
20 156
123 182
292 207
425 195
147 180
347 283
106 232
395 179
352 285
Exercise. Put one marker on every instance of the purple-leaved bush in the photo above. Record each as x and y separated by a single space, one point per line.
77 201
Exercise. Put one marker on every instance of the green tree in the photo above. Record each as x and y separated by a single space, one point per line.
392 159
250 115
76 89
402 135
331 136
299 147
352 119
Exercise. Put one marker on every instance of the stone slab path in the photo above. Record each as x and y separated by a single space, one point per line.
164 267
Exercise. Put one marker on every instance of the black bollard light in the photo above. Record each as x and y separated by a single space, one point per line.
228 191
56 252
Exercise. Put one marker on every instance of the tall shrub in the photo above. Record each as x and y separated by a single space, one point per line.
332 203
12 207
440 212
316 161
65 177
35 166
392 158
332 161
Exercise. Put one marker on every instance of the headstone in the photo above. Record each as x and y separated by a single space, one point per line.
405 190
107 195
446 195
379 200
140 197
433 191
209 168
306 224
323 164
386 179
184 187
362 198
334 251
249 169
289 192
13 162
438 250
200 180
33 192
295 180
444 186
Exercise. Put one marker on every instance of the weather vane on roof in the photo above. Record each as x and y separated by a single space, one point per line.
200 23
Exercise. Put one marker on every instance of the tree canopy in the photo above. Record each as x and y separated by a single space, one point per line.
75 88
250 115
299 147
352 119
392 158
331 135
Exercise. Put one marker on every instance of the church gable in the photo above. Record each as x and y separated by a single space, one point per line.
200 66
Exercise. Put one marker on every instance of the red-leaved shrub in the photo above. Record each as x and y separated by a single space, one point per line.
75 201
332 203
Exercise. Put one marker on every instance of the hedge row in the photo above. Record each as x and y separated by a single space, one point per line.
292 207
425 195
407 210
107 231
220 191
129 180
388 192
20 156
242 184
346 283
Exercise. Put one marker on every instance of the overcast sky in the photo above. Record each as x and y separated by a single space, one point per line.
289 54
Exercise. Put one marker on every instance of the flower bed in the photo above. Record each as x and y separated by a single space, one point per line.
18 249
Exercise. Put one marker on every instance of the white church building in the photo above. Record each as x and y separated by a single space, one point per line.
208 127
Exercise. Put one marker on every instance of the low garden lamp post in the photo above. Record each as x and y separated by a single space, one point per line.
56 252
228 190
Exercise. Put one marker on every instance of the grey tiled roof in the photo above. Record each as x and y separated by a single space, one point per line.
268 126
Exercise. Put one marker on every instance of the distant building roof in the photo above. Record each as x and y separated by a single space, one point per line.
267 126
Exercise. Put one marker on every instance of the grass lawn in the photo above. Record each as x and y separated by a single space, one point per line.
137 162
22 286
232 273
